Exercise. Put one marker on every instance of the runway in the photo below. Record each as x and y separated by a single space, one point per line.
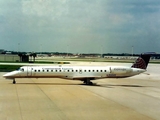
134 98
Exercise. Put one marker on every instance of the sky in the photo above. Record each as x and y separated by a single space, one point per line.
80 26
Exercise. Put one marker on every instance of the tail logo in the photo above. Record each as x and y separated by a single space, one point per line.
140 63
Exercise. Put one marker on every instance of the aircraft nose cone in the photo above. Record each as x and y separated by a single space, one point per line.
10 74
7 75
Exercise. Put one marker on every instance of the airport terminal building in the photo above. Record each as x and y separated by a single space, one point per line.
14 58
11 58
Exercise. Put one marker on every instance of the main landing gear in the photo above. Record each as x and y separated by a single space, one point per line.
14 81
87 82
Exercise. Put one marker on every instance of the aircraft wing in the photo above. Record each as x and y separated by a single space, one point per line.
83 77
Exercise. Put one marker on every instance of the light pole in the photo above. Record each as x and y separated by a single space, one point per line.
101 51
67 50
132 50
18 47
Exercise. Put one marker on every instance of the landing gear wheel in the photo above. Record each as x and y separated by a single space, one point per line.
90 83
87 82
14 82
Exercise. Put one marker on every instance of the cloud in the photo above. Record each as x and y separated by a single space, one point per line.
44 8
81 25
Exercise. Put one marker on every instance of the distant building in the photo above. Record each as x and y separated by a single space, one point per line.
2 51
11 58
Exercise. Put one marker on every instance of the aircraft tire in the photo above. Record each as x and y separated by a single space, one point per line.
90 83
14 82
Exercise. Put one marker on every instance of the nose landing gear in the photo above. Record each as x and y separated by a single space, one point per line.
14 81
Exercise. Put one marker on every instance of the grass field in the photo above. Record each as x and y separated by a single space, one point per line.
8 68
92 60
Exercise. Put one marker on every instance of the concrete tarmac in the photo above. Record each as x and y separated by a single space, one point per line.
135 98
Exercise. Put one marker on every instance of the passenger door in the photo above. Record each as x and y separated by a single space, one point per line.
29 71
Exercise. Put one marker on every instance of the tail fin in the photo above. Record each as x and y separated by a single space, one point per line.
142 61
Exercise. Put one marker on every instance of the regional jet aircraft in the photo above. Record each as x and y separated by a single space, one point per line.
83 73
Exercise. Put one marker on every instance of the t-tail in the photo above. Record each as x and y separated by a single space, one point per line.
143 60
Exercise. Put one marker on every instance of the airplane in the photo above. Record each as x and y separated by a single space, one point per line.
83 73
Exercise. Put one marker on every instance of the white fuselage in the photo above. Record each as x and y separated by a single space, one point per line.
74 72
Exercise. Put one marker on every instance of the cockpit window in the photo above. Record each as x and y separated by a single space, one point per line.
21 69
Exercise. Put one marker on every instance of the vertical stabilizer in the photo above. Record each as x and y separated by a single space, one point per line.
142 61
